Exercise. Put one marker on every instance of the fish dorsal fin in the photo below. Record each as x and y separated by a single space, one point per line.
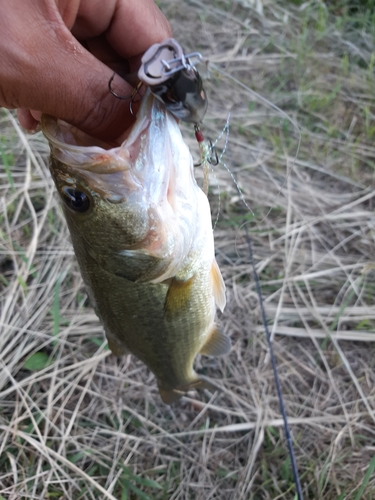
178 296
217 343
218 286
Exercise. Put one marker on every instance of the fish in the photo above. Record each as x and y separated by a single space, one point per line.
142 234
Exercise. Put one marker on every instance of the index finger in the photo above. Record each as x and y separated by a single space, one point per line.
130 27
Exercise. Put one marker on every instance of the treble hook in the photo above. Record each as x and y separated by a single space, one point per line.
207 149
130 96
213 160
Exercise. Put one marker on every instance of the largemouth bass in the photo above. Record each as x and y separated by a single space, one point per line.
142 233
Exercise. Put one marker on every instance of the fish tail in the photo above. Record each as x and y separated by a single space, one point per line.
171 395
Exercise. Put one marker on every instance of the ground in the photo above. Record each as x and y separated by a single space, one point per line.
78 423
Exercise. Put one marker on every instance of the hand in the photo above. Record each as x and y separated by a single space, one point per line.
57 57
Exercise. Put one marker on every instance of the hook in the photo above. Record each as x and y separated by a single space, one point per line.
205 147
213 160
130 96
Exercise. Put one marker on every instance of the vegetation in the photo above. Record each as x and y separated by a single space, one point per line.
76 423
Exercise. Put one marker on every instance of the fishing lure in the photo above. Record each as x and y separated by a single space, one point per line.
173 79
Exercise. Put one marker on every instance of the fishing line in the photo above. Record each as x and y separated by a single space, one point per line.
207 150
225 130
264 318
273 106
288 436
220 160
242 197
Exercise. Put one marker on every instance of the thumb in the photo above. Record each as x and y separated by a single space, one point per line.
68 82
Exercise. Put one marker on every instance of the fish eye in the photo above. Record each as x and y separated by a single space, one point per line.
76 200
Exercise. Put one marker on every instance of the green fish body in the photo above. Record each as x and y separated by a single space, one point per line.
141 231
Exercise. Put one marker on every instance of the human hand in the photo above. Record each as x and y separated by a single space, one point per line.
57 57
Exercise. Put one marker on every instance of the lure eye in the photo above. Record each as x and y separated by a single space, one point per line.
76 200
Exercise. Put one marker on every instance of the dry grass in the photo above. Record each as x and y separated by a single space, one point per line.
86 425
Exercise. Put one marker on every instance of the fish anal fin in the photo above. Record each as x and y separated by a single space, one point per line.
217 343
116 347
218 286
170 396
178 296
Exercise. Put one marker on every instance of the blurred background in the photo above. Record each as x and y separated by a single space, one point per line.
77 423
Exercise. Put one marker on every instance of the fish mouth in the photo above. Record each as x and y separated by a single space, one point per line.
72 147
75 148
111 171
153 158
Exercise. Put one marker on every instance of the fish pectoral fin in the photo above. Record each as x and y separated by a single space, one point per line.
217 343
170 396
218 286
178 295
